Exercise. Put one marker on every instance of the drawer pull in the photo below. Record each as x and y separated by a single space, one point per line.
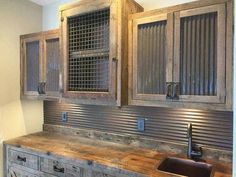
21 159
57 169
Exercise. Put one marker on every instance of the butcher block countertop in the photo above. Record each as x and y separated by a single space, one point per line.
143 161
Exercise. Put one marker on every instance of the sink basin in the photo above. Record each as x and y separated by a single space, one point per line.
186 167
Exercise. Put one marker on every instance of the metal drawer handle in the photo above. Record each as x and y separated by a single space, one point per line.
21 159
57 169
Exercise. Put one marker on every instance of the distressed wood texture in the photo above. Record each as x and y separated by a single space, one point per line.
99 158
40 62
24 159
198 53
110 86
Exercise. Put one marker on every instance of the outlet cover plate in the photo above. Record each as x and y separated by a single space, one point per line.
141 124
64 116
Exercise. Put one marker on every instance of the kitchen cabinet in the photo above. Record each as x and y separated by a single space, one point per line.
94 51
21 162
40 65
181 56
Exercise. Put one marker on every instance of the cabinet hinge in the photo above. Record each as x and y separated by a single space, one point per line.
62 19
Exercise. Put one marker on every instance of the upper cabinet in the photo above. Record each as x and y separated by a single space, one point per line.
40 65
94 51
182 56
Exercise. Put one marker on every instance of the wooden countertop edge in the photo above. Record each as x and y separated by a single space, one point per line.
68 147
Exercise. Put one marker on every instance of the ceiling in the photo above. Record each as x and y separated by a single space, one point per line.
43 2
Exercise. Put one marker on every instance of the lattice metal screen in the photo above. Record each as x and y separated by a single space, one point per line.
198 55
32 62
52 53
151 58
89 52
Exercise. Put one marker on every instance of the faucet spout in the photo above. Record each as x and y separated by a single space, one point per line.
189 136
192 154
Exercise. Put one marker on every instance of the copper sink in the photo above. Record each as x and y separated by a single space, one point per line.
186 167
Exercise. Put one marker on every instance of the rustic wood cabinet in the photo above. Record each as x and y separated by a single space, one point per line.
181 56
94 51
40 65
20 162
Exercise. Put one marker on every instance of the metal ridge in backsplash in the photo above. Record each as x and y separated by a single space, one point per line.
212 129
138 141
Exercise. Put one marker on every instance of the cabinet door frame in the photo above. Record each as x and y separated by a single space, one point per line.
221 56
24 40
134 48
48 35
82 8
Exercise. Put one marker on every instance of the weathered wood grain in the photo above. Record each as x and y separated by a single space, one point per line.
93 152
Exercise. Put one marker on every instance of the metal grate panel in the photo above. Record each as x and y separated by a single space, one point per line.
151 58
89 73
89 51
198 59
210 128
53 66
32 62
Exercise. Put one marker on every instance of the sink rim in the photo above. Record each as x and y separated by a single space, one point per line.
183 159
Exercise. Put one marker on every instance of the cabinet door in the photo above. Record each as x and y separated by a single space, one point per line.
51 51
151 57
200 54
31 64
89 51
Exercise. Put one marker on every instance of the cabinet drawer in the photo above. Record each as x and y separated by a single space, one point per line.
74 171
24 159
52 166
15 172
58 168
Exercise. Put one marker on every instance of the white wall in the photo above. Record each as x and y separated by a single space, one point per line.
17 117
51 13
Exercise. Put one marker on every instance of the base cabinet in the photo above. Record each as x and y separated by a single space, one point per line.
20 162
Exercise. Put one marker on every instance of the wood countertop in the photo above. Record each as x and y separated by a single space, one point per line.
143 161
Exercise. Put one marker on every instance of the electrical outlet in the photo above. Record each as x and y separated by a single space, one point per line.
64 116
141 124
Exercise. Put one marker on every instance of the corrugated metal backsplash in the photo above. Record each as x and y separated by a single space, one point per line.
212 129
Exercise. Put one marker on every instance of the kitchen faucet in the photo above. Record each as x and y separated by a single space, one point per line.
193 152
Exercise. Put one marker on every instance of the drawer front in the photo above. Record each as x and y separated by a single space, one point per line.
74 171
15 172
60 169
24 159
53 167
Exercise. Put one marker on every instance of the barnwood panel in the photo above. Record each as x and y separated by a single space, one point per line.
210 128
117 51
223 98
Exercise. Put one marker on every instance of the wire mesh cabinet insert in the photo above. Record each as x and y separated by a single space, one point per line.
94 38
182 56
40 65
